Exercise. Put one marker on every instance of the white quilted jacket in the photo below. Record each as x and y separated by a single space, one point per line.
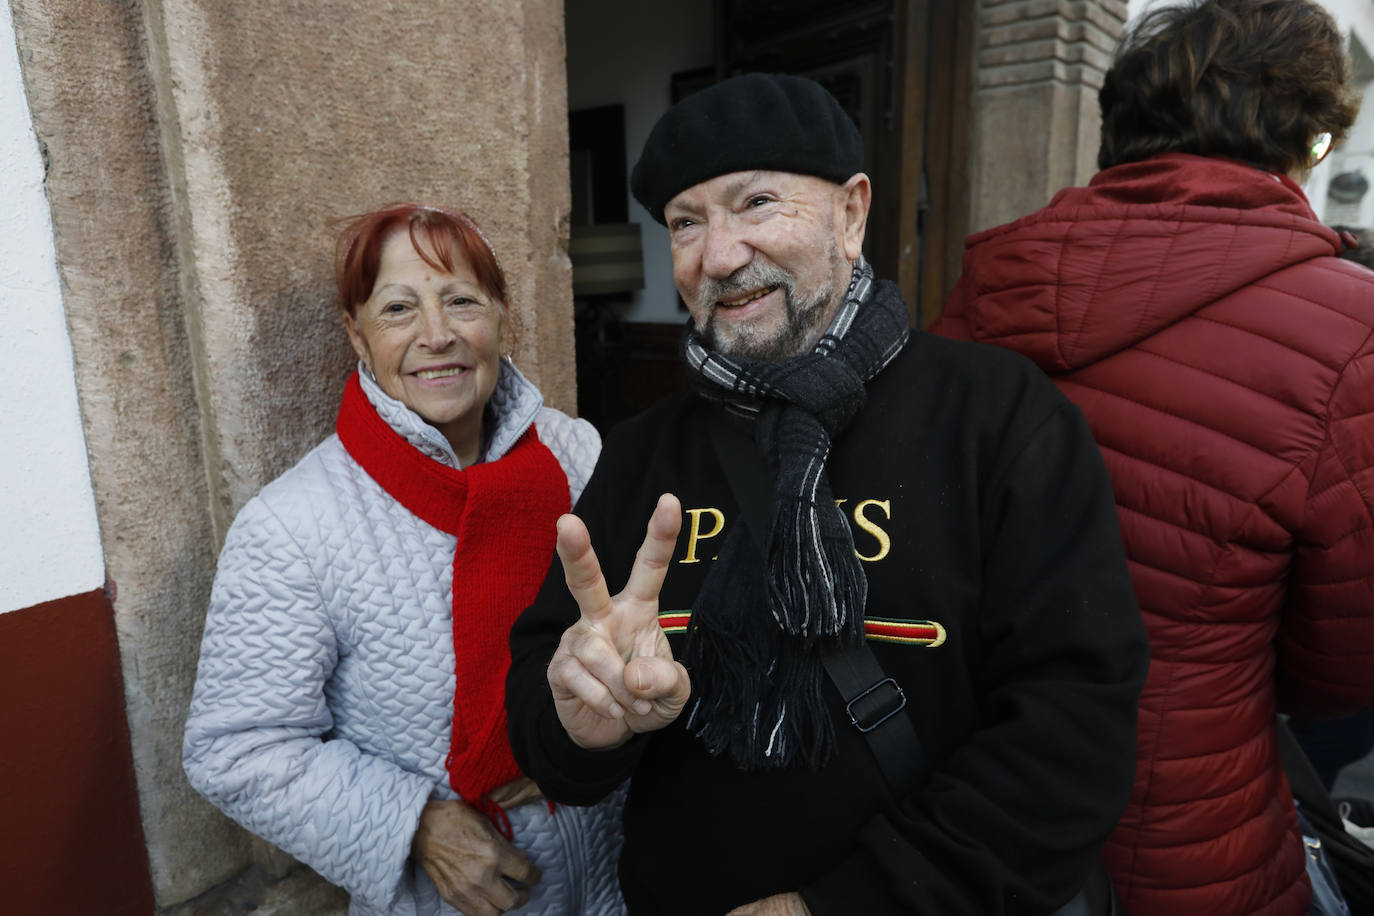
324 699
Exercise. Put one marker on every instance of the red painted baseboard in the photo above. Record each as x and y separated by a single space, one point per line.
71 841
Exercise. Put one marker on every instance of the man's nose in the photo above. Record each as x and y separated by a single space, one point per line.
725 250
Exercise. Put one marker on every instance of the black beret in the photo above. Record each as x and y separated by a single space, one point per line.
755 121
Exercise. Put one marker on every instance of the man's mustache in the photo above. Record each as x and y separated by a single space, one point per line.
749 277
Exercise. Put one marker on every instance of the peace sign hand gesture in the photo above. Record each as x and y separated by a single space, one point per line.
614 675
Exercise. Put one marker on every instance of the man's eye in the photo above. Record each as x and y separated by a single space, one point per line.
681 222
758 200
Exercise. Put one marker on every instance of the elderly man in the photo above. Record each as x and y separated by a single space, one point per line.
878 651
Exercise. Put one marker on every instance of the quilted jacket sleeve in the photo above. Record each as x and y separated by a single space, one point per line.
574 442
254 737
1326 640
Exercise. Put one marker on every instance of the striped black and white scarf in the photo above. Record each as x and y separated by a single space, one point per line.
760 624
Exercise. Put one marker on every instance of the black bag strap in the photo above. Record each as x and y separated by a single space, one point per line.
874 702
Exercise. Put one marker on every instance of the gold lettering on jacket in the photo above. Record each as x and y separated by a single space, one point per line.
867 525
863 521
695 534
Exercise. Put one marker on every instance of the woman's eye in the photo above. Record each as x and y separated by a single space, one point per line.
461 301
394 308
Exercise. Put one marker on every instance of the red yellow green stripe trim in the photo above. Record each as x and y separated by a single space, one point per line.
674 621
926 633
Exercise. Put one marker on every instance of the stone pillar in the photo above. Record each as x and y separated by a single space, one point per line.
1036 129
198 156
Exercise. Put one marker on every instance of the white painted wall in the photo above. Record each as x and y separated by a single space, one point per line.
49 538
625 51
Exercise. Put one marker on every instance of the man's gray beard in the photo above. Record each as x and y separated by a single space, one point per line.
803 318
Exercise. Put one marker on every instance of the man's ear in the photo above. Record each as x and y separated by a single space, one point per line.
855 196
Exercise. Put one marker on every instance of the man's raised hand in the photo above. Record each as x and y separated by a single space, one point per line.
614 675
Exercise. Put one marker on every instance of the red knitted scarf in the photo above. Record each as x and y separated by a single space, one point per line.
503 513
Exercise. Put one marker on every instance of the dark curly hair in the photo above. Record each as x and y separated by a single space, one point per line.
1255 80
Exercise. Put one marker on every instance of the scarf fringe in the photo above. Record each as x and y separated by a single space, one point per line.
816 586
758 717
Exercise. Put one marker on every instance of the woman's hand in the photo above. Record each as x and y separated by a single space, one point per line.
515 793
777 905
476 871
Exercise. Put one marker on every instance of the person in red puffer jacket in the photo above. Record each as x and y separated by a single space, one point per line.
1192 305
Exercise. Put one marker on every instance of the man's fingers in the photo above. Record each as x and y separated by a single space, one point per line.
659 685
570 679
651 562
591 668
581 569
587 674
653 678
583 573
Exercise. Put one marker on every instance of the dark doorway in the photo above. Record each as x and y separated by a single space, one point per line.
902 69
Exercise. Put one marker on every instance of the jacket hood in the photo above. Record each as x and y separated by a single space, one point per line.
1142 246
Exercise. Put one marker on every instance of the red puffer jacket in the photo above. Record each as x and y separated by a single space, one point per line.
1193 309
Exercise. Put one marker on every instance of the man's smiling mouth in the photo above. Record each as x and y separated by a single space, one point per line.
745 299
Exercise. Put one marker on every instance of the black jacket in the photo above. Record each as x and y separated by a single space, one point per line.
979 502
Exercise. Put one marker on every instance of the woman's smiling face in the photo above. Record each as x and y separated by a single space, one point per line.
432 340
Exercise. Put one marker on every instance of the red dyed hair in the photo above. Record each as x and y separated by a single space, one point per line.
436 233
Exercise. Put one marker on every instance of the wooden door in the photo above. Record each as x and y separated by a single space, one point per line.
899 67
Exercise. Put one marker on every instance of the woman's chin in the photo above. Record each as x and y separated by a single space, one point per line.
444 406
444 418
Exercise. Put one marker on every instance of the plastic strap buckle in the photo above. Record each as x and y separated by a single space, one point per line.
879 709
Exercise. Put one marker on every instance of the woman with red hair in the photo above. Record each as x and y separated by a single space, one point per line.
1191 304
349 706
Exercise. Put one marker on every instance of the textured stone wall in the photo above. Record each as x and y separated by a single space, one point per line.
1038 68
198 155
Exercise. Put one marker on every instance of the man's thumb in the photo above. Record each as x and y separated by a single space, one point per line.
657 679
